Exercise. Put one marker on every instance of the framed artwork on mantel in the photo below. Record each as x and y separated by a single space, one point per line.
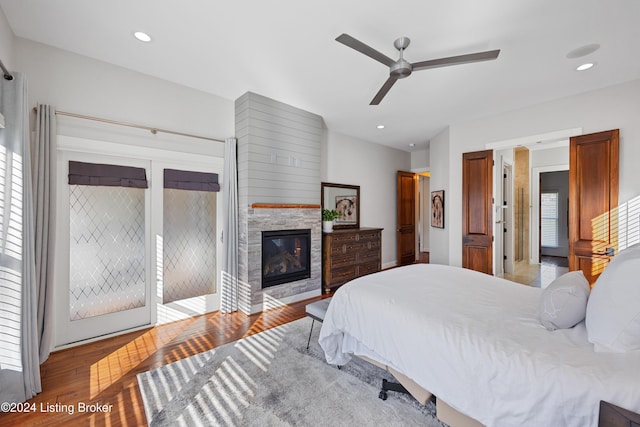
437 209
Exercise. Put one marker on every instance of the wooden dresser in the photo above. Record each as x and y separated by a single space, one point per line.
350 253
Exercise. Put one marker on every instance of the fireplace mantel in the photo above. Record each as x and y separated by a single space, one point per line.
283 206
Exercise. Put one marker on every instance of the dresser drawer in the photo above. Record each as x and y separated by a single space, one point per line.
342 259
344 248
366 256
368 235
340 238
367 268
369 245
341 275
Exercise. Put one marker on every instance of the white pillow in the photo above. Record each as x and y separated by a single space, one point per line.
613 311
564 302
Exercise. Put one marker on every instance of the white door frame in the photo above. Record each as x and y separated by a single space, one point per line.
177 310
155 159
531 140
69 332
507 215
535 210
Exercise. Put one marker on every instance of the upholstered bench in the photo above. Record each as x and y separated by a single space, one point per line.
316 310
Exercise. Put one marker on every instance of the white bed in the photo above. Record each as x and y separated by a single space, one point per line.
476 342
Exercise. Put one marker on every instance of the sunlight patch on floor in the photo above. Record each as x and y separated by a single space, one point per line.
111 368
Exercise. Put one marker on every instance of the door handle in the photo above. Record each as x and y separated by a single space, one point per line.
605 252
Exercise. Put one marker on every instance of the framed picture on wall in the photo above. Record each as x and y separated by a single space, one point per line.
347 207
437 209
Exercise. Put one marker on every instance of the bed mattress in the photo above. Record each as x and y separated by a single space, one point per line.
475 341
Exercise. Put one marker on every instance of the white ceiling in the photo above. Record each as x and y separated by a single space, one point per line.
286 50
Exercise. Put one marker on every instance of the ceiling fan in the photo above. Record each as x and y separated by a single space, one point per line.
402 68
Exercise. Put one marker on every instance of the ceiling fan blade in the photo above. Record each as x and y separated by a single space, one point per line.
347 40
383 90
456 60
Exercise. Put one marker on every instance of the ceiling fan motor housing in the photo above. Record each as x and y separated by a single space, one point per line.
401 69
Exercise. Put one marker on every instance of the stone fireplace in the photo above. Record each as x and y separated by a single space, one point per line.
286 256
278 192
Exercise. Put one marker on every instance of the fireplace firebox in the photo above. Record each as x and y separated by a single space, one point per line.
286 256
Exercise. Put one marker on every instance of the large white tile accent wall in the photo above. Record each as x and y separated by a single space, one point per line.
278 163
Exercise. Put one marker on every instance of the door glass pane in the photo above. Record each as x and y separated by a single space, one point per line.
107 250
549 223
189 244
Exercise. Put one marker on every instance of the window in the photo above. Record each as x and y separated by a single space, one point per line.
10 258
549 219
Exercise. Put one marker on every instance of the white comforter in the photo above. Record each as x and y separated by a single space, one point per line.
475 341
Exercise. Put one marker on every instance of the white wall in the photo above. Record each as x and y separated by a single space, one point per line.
6 41
420 160
347 160
83 85
615 107
550 157
439 180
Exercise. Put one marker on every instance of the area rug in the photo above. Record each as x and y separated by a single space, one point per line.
271 379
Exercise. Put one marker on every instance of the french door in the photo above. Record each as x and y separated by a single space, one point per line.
134 257
105 284
187 245
593 201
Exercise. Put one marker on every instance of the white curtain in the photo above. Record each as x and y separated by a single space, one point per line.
229 291
44 179
19 340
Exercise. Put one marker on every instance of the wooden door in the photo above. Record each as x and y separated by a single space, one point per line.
477 230
406 229
593 201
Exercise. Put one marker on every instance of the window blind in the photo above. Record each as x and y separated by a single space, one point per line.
549 219
189 180
81 173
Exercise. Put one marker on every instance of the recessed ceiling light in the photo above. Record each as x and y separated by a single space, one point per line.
412 145
143 37
380 126
585 66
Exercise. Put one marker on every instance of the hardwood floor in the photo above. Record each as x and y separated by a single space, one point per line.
104 372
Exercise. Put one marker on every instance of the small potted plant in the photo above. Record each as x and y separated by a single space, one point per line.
328 216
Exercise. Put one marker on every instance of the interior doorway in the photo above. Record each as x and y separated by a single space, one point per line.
554 217
414 217
516 192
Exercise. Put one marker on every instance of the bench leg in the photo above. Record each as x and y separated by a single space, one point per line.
310 332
